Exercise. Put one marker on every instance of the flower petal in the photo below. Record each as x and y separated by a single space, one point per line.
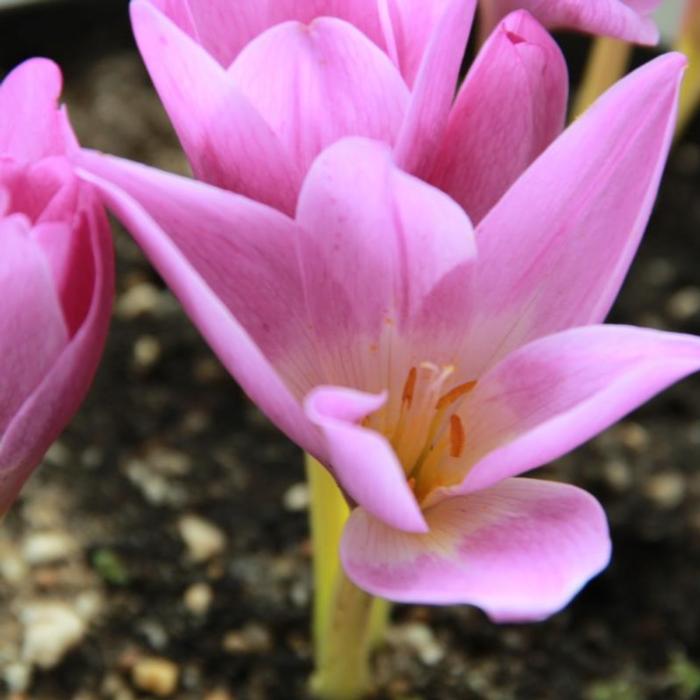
434 88
322 82
553 394
383 255
624 19
510 108
227 142
31 126
362 460
553 252
223 27
520 551
411 27
65 381
232 264
32 329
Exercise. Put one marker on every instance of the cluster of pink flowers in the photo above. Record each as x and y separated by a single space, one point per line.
411 285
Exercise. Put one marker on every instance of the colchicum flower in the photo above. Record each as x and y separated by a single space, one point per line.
429 364
256 90
384 69
56 273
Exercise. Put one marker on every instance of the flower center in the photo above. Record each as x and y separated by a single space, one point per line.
424 427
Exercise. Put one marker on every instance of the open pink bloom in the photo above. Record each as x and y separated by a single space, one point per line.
56 275
624 19
428 364
256 90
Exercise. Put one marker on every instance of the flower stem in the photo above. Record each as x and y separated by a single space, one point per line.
689 44
347 623
328 513
342 666
607 63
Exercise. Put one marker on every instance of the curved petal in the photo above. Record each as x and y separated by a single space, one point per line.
30 123
383 255
54 401
221 254
32 329
227 142
511 106
434 88
362 460
555 249
224 28
410 27
624 19
555 393
322 82
520 551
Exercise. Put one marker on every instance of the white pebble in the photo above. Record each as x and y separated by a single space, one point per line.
202 538
51 629
296 497
41 548
198 598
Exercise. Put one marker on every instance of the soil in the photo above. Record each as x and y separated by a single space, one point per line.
166 435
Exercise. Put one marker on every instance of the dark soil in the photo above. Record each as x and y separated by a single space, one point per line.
166 433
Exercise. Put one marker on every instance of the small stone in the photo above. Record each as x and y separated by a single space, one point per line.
141 299
155 488
115 688
685 303
634 436
666 490
299 594
13 568
251 639
168 461
420 639
17 676
618 475
50 631
155 633
296 497
58 454
157 676
198 598
202 538
41 548
146 352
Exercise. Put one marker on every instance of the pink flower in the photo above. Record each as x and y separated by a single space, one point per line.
625 19
255 96
428 364
56 276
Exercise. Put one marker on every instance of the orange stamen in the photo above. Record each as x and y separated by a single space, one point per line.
410 386
453 394
456 436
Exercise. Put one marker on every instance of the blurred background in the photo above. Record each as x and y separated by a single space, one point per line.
162 550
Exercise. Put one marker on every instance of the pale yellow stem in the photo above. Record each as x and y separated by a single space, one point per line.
337 603
328 513
607 63
689 44
342 666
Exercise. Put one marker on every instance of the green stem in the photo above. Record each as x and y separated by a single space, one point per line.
342 638
328 513
342 671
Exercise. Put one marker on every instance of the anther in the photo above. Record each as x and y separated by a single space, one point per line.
456 436
410 386
451 396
